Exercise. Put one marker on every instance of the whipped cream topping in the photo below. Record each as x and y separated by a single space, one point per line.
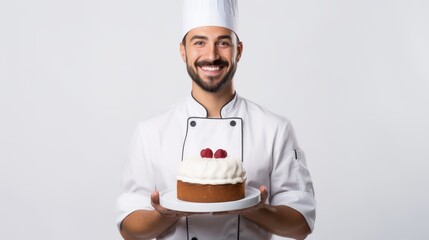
212 171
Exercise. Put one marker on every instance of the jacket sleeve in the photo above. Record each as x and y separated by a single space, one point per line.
137 180
291 182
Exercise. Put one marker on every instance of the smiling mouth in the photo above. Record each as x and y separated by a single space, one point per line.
211 68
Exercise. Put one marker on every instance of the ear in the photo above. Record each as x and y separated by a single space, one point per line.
239 50
183 51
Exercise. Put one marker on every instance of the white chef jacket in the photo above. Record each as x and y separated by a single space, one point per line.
271 157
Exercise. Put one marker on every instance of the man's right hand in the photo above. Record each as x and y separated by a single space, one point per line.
165 212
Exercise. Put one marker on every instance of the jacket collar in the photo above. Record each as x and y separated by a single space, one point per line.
230 109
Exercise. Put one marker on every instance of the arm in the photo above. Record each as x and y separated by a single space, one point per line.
280 220
145 224
149 224
138 219
292 204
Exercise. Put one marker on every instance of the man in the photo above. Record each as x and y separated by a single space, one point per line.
273 161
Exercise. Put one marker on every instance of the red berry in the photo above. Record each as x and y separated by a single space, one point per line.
206 153
220 153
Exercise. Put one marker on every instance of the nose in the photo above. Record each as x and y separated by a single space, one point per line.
212 52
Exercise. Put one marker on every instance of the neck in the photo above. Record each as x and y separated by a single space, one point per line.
213 102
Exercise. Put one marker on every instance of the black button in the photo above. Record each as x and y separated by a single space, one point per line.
194 238
233 123
193 123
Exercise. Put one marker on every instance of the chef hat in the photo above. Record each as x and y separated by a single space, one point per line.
198 13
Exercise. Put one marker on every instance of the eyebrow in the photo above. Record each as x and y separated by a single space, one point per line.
206 38
224 37
198 37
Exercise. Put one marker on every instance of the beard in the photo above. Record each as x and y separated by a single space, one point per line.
213 88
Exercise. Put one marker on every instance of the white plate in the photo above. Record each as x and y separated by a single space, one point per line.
168 199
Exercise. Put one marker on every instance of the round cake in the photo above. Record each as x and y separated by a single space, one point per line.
211 178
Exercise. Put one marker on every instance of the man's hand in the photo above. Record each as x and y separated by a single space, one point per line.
250 210
165 212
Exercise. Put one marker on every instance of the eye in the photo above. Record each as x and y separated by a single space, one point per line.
199 43
224 43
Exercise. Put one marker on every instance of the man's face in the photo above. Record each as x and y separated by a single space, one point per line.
211 55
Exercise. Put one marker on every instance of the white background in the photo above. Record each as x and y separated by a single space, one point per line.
76 76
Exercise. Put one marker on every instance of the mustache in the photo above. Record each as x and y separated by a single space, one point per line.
218 62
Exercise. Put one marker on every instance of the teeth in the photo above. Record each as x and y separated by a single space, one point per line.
210 68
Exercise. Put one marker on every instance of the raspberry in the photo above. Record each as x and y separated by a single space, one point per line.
206 153
220 153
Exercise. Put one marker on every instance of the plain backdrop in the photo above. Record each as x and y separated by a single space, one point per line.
77 76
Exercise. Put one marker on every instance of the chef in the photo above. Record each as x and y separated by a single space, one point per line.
272 158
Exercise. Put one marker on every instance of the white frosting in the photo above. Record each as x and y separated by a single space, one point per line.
212 171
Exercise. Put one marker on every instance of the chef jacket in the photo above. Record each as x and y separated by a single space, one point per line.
271 157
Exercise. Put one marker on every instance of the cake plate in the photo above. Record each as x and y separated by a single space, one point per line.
168 199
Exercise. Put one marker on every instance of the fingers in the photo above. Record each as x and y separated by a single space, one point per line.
155 204
155 198
264 193
165 211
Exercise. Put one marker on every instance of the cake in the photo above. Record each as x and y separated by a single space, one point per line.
211 178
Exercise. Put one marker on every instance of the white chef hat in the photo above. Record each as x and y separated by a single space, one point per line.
198 13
